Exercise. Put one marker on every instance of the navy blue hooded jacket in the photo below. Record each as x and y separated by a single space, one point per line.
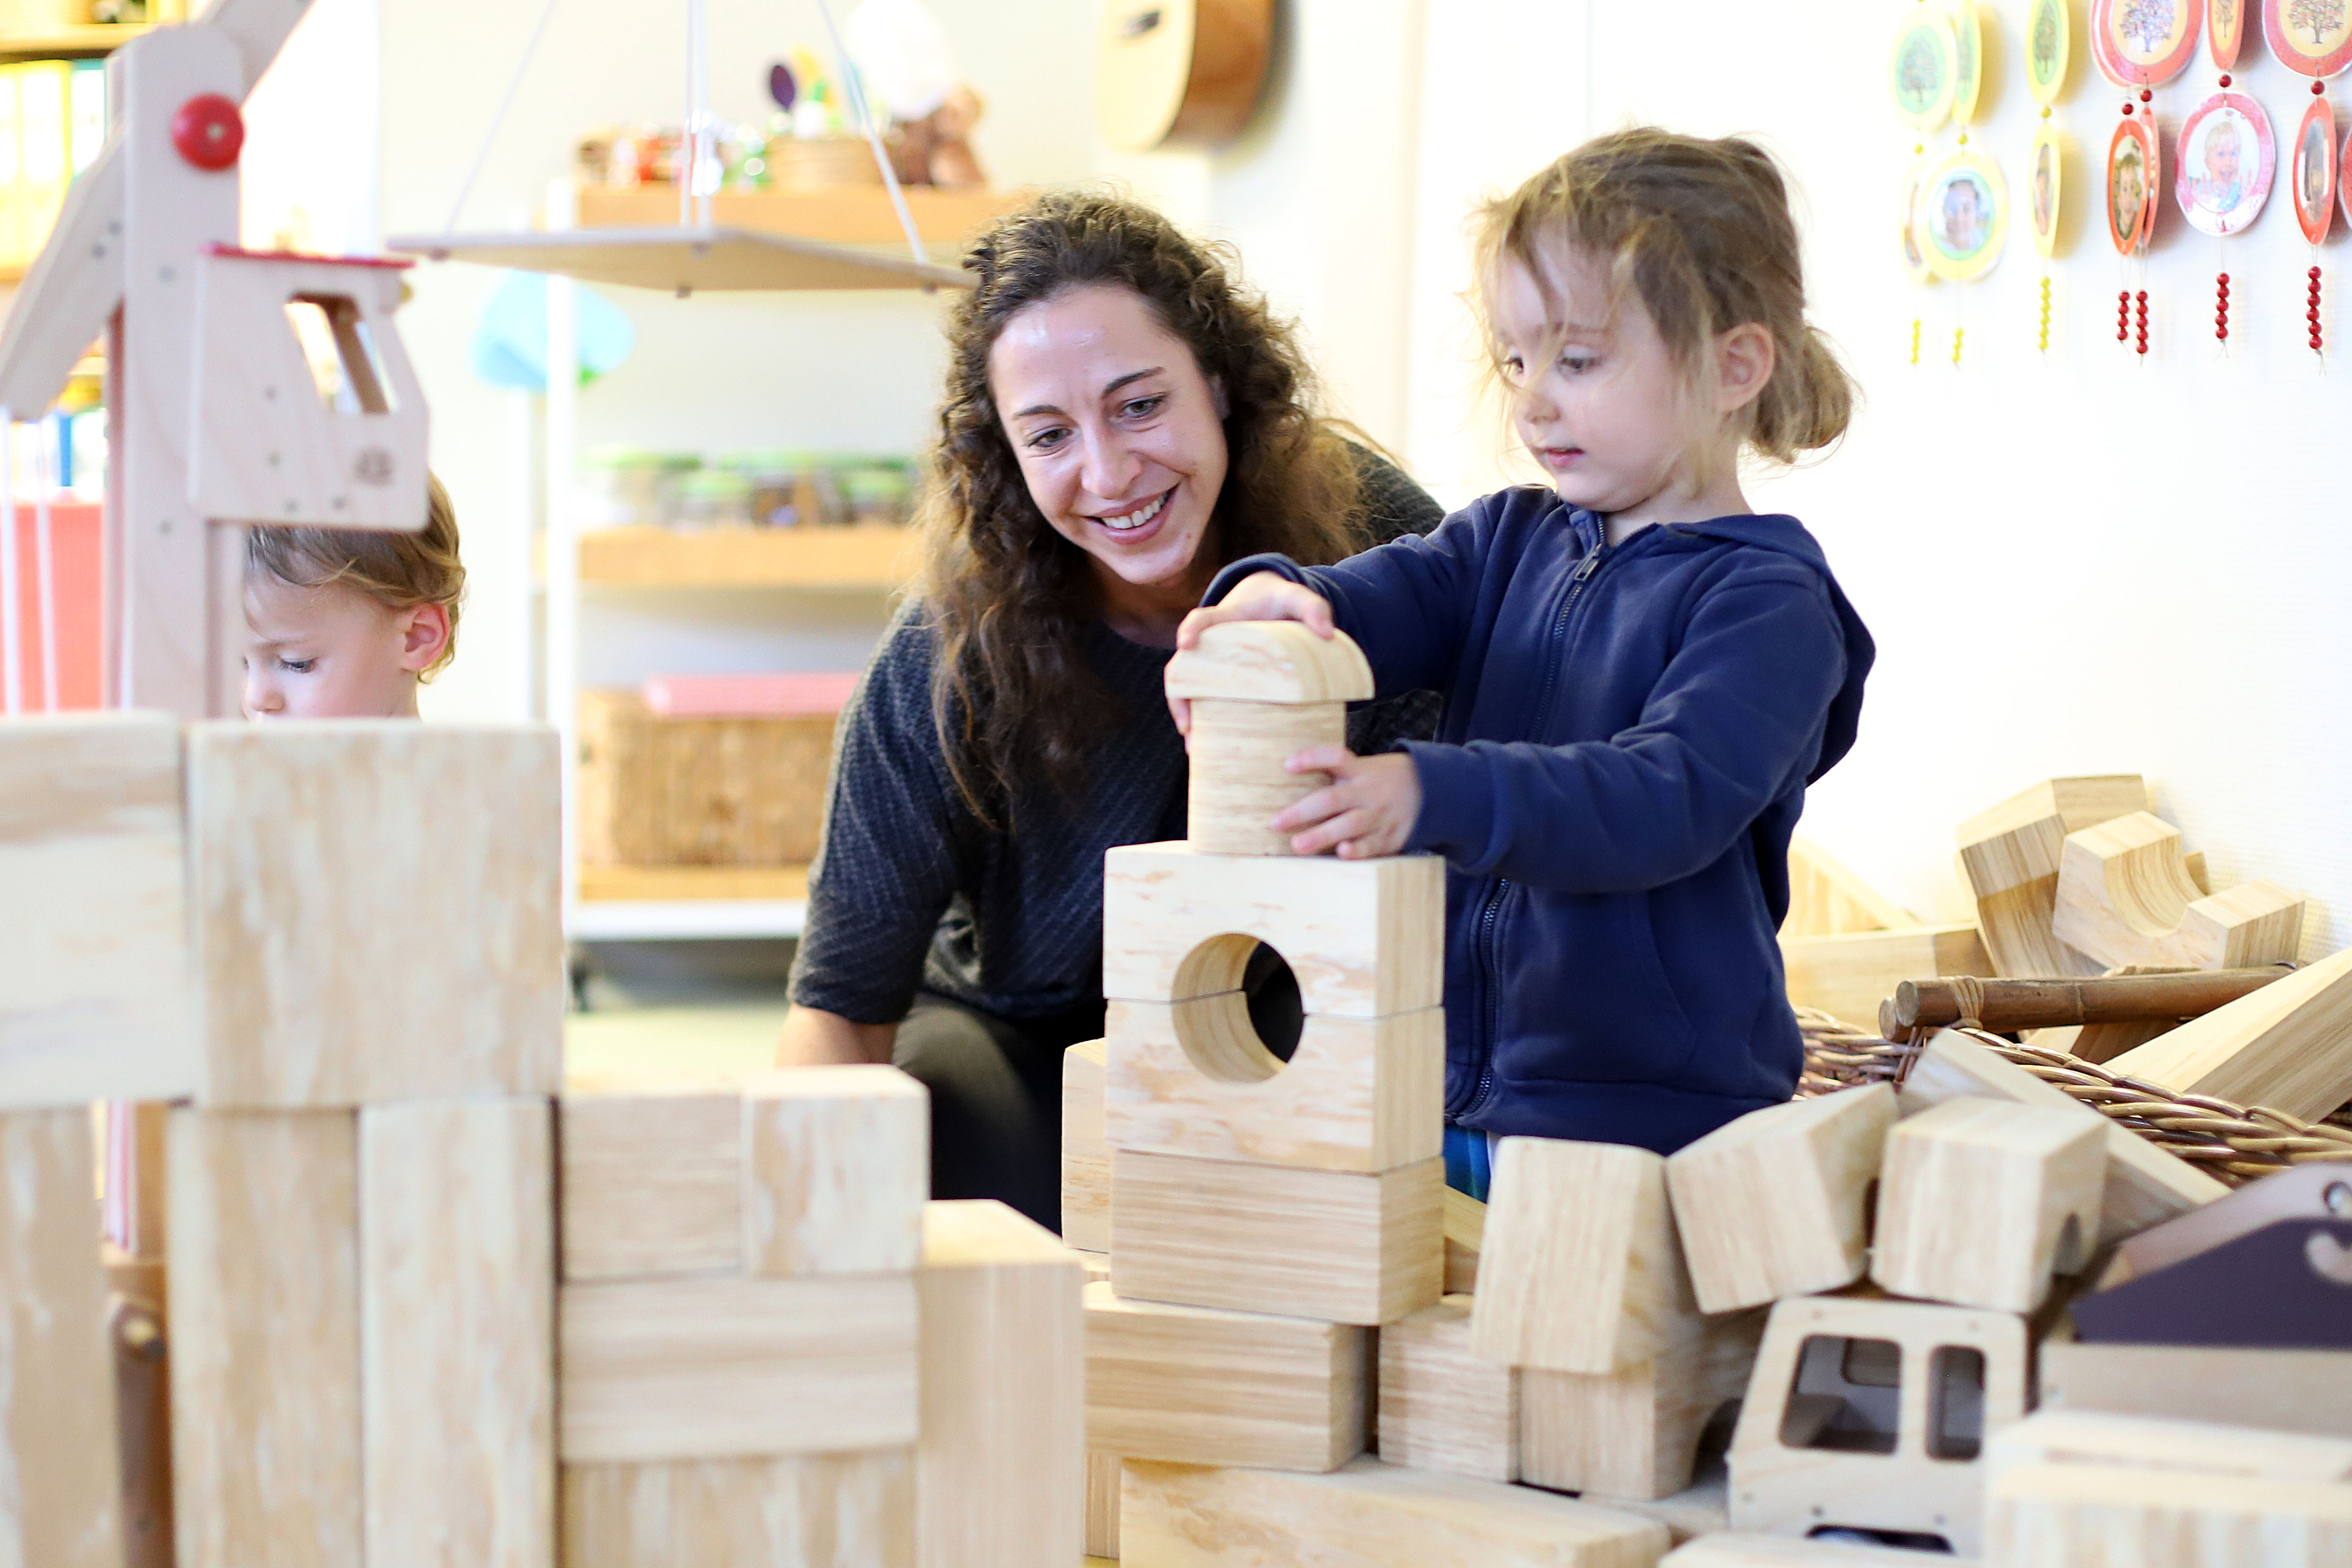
1626 741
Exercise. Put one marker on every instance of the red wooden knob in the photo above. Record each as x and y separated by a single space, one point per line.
208 131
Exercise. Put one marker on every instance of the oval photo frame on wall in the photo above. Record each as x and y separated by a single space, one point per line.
2225 161
1921 73
1961 219
2045 187
2145 43
2049 48
2225 31
2313 170
2131 190
2311 36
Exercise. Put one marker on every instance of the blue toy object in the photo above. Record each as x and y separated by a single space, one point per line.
510 343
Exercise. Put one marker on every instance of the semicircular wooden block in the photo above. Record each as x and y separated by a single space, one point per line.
1271 661
2126 896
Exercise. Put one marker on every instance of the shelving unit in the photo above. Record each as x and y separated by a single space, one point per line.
87 42
848 214
869 560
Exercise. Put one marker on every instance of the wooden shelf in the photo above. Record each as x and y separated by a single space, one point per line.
865 560
841 214
686 261
613 884
691 903
82 43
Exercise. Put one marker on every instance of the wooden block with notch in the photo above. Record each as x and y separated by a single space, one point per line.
2060 1515
652 1181
1196 1385
1000 1468
1776 1203
810 1510
1581 1269
1847 977
2124 897
2287 1045
2009 858
1981 1201
1085 1149
1442 1408
301 838
2103 1438
836 1169
1634 1432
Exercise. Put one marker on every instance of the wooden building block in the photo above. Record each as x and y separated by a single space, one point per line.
1001 1466
1271 661
837 1164
1739 1549
652 1181
62 1506
1196 1383
1634 1432
1239 779
1825 898
1085 1150
2287 1391
2101 1437
1582 1270
264 1286
458 1331
1334 1245
1465 1234
2059 1516
694 1369
95 999
1442 1408
303 837
1365 938
810 1510
1848 976
2124 897
1776 1203
1980 1201
1102 1505
2287 1045
2303 1192
1369 1515
1702 1508
2009 858
1193 1078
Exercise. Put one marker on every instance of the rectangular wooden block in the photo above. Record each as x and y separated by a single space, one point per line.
1102 1505
1848 976
1358 1094
264 1288
1001 1466
1465 1233
2289 1391
1369 1515
836 1168
1197 1383
1981 1201
304 839
2102 1437
1634 1432
1442 1408
690 1368
1085 1150
2287 1045
1365 938
652 1182
458 1331
62 1508
2058 1516
1343 1246
95 998
812 1510
1582 1270
1775 1204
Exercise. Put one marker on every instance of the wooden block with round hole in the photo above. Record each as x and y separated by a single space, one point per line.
1239 779
1442 1408
2058 1516
1980 1201
2126 896
1193 1078
1271 661
1633 1433
1365 938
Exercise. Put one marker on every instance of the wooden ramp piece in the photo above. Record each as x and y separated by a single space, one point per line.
652 1182
817 1510
2066 1515
1981 1201
1086 1153
1848 976
1632 1433
2101 1437
2126 896
1442 1408
2008 856
836 1169
1369 1515
2287 1045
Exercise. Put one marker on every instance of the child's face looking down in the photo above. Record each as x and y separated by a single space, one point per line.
334 652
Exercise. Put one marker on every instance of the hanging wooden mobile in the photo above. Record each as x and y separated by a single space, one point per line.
2226 160
2314 177
1959 203
1923 75
2313 37
2049 34
2138 45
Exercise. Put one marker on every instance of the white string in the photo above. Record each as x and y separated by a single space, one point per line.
873 137
11 634
506 101
45 565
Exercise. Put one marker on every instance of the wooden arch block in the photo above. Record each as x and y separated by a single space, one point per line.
2126 896
1271 661
2008 856
1980 1201
1240 776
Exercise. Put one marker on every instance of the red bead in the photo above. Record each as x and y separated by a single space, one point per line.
2222 332
2225 79
2317 88
2128 109
208 131
2145 95
2314 273
2224 278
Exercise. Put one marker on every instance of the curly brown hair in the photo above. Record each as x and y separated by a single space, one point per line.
1008 598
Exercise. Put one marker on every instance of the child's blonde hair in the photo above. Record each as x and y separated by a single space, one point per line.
398 571
1701 230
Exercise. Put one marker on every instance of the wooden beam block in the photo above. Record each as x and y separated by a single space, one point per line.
1848 976
1085 1149
1102 1505
1776 1203
1193 1078
1634 1432
2009 858
95 1000
1739 1549
652 1182
2067 1514
2101 1437
1465 1234
836 1169
1335 1244
691 1369
1980 1201
1001 1466
302 837
1365 938
63 1503
265 1338
1825 898
1271 661
2124 897
2287 1045
1442 1408
458 1331
1369 1515
1582 1271
814 1511
1239 779
1195 1383
2287 1390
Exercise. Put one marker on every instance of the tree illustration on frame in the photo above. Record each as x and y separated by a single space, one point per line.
2145 24
2322 16
2045 42
1920 72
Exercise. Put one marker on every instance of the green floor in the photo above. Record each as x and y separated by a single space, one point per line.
671 1041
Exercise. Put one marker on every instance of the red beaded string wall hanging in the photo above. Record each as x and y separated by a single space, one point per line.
2140 45
2226 160
2049 32
2313 37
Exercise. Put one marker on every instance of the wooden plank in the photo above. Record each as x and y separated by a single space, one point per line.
265 1338
1336 1245
302 837
1825 898
1193 1078
843 214
2124 897
1465 1234
2009 858
1086 1147
1239 774
2287 1045
652 1181
63 1505
1582 1270
2067 1514
1196 1385
814 1511
683 261
457 1332
1981 1201
2287 1390
686 1369
1001 1466
1634 1432
1273 662
866 558
1442 1408
837 1167
1776 1203
2102 1437
95 1000
1848 976
70 289
1369 1515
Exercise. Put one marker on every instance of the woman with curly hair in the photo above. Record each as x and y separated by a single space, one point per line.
1120 421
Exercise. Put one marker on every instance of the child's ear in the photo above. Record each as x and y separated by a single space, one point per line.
1744 358
424 632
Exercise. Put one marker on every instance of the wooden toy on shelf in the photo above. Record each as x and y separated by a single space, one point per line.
2124 897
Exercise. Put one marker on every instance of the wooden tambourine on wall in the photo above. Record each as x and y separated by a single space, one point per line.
1179 72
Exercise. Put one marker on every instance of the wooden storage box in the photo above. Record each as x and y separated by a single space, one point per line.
699 792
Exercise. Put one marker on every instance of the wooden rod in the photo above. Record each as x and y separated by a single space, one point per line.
2054 1004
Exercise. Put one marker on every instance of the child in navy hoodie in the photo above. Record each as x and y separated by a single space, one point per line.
1640 674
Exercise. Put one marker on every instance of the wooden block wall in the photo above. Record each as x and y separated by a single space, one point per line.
838 1167
1441 1407
652 1182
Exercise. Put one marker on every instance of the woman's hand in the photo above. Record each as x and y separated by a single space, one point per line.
1260 597
1368 809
